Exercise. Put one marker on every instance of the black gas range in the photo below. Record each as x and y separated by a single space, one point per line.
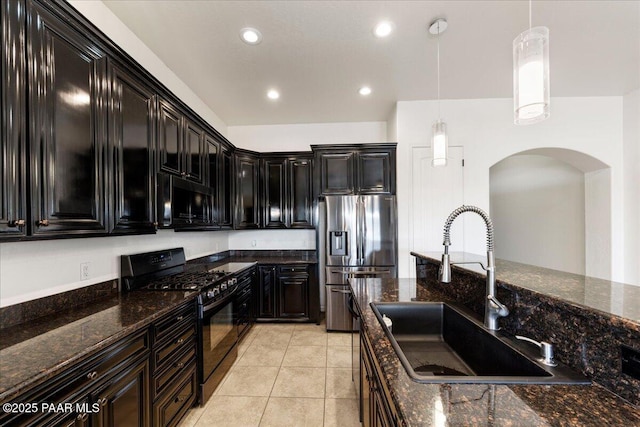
219 303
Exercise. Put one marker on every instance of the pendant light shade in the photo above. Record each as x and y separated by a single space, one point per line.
439 144
531 94
439 139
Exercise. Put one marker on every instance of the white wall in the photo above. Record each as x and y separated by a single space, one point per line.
631 153
30 270
272 239
484 127
538 212
103 18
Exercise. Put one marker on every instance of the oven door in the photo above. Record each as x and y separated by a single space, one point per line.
219 335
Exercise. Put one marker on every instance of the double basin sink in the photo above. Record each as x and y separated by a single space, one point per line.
439 343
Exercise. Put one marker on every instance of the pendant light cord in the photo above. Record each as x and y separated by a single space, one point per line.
438 62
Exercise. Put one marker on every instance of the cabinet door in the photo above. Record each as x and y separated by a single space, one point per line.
247 192
124 400
13 191
266 291
225 188
169 138
212 173
67 127
131 142
300 193
376 172
293 299
193 148
274 196
336 173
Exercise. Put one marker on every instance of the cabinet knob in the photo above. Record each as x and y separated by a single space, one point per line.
155 224
179 318
180 399
180 365
43 222
92 375
82 417
102 401
180 341
183 174
18 223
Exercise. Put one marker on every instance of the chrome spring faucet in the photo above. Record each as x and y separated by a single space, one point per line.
493 309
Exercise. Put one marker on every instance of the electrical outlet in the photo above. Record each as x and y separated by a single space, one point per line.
84 271
254 243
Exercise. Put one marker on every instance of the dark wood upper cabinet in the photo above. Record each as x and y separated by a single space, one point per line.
169 138
355 169
131 148
375 169
212 173
193 149
274 194
247 207
67 129
13 185
225 187
300 185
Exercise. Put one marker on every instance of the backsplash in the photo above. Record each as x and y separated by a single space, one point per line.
587 340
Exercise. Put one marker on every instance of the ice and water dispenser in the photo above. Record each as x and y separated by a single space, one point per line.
338 243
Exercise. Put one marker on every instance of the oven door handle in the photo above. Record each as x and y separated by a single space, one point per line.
225 300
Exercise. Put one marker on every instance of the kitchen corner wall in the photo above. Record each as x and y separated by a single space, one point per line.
631 154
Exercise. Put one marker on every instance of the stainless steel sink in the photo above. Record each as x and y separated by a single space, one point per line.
439 343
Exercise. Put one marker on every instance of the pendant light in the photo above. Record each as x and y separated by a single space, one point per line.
531 95
439 139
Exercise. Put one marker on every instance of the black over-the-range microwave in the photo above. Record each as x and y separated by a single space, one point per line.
184 204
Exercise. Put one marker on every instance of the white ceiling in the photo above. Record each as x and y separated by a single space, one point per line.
318 53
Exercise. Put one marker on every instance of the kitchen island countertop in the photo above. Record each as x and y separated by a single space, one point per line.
478 404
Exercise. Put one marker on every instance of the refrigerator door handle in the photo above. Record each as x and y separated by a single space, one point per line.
363 228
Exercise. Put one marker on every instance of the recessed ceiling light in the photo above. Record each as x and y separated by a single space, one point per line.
250 35
383 29
273 94
364 91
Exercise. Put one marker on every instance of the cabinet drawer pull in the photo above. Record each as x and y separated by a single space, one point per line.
43 222
180 365
179 318
180 399
183 174
82 417
180 341
19 223
92 375
102 401
155 224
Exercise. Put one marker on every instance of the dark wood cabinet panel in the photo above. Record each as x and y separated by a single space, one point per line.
131 150
67 128
293 296
375 172
124 400
274 195
247 208
169 138
225 188
193 148
13 190
301 193
336 173
266 294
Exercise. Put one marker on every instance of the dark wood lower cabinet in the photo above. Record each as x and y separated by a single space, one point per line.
124 400
285 292
376 405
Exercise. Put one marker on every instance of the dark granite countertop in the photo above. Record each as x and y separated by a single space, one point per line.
609 297
32 353
478 404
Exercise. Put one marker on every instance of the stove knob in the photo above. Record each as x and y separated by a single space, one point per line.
223 286
234 281
210 294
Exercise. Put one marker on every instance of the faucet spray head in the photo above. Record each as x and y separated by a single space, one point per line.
444 274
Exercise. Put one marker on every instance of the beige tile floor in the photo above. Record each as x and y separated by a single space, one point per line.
285 375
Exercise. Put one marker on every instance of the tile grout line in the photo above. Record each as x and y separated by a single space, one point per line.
276 378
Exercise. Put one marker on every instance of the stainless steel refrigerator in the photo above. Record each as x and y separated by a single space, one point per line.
361 240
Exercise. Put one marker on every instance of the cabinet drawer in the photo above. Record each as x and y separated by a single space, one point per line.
177 321
163 354
170 408
173 368
304 269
